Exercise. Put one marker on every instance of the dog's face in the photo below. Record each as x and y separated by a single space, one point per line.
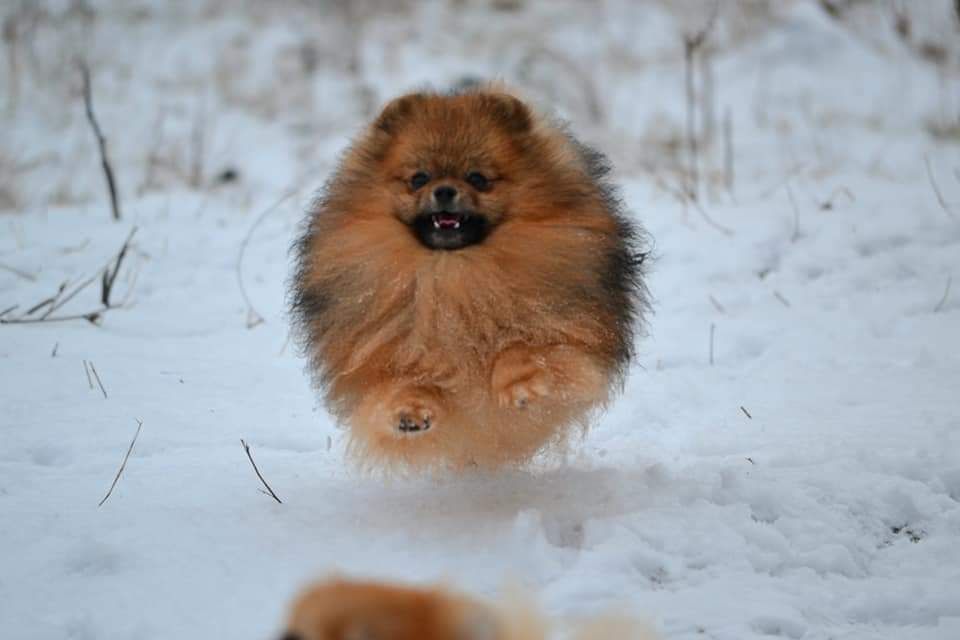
452 164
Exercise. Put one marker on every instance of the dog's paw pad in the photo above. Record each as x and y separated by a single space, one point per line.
410 424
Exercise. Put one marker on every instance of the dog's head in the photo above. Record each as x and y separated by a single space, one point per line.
457 166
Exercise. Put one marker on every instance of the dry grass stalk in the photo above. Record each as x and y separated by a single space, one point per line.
246 448
108 277
101 141
936 189
123 465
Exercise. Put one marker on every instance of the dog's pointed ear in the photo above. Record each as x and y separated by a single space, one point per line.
509 112
396 111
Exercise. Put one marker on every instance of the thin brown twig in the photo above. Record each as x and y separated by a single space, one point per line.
828 204
9 309
685 199
51 300
107 275
713 223
58 302
110 276
946 294
769 191
86 370
692 43
123 465
779 296
253 317
93 317
729 171
246 448
99 383
716 304
101 140
936 189
18 272
56 345
693 177
745 412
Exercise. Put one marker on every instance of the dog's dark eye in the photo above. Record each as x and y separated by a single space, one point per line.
419 179
478 181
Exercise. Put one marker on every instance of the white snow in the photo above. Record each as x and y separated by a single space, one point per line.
831 511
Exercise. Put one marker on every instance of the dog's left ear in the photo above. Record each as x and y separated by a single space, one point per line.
509 112
396 111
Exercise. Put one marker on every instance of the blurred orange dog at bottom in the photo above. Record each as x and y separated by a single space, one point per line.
340 609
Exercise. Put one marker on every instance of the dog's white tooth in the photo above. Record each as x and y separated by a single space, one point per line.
456 225
436 223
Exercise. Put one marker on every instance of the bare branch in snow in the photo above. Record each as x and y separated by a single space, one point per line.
246 448
729 173
99 383
101 140
713 223
253 317
936 189
123 465
107 275
716 304
828 204
18 272
692 45
86 370
49 301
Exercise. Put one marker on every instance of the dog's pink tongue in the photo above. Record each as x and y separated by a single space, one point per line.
447 220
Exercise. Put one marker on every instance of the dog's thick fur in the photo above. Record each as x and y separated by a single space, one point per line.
487 354
349 610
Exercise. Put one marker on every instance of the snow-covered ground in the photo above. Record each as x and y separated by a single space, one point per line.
803 484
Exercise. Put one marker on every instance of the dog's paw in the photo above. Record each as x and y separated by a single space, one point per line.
409 423
521 394
414 414
519 379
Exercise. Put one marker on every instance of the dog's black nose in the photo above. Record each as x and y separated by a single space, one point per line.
444 195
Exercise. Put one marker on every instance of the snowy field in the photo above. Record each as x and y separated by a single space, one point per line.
784 460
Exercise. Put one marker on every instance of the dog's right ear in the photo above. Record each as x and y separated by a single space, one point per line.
396 111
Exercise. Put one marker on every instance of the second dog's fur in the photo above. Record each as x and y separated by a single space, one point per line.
353 610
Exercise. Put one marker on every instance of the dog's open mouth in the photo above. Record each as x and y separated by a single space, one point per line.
446 220
450 230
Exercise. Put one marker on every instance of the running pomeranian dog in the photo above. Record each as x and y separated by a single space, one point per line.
467 286
349 610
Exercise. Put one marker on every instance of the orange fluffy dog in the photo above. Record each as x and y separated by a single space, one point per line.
345 610
467 288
